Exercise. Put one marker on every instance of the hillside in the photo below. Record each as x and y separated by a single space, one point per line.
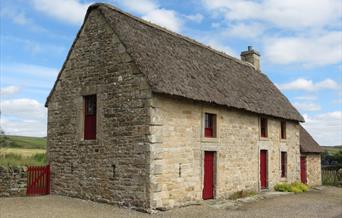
26 142
332 149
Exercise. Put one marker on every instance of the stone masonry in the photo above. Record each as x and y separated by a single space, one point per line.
178 145
13 181
313 164
113 168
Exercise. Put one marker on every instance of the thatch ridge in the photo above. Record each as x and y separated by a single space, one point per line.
183 37
177 65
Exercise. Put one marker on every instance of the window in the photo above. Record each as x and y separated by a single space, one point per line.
210 125
263 127
89 117
283 129
283 163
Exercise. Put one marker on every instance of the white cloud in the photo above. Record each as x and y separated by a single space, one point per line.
215 44
306 97
243 30
152 12
23 108
310 51
326 128
141 6
195 17
289 14
309 85
164 18
71 11
18 17
29 69
307 106
23 116
23 127
9 90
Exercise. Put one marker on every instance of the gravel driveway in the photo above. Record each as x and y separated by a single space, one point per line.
317 203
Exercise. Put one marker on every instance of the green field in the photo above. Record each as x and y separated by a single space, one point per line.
332 149
26 142
22 150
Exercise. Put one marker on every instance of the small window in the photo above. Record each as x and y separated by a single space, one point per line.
283 129
283 163
89 117
210 125
263 127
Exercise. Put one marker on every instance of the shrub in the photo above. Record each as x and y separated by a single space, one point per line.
293 187
282 187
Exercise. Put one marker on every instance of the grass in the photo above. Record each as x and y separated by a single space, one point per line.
27 142
22 151
15 159
25 152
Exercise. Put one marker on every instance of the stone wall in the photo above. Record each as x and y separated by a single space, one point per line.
313 167
13 181
113 168
178 146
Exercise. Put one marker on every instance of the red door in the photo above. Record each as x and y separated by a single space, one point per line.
263 169
303 176
208 189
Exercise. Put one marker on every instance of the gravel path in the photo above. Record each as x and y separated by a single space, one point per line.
317 203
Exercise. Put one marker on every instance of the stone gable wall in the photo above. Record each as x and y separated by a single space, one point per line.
178 149
113 168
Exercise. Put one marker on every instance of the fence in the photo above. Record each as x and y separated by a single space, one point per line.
332 175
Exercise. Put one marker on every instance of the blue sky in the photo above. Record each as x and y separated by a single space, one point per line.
300 44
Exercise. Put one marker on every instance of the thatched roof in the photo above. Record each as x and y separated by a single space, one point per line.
176 65
307 143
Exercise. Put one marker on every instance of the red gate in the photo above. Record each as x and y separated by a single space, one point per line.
38 180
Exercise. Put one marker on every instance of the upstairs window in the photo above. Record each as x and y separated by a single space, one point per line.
263 127
283 129
89 117
283 161
209 125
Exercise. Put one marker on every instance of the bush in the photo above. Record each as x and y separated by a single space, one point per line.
282 187
293 187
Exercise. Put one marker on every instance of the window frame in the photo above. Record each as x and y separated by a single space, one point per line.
283 130
263 121
210 125
283 164
89 117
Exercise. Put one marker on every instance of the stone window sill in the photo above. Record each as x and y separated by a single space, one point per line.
209 140
89 142
264 138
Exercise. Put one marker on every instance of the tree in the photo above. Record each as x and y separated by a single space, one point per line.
4 140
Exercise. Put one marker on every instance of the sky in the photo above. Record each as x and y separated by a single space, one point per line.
300 43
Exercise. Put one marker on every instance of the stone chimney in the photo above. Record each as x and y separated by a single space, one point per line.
251 56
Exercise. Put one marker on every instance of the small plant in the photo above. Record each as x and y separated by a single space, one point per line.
282 187
241 194
295 187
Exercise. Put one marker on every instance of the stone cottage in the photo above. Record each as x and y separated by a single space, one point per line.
310 159
143 117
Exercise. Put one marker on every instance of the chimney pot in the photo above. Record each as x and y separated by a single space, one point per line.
251 56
